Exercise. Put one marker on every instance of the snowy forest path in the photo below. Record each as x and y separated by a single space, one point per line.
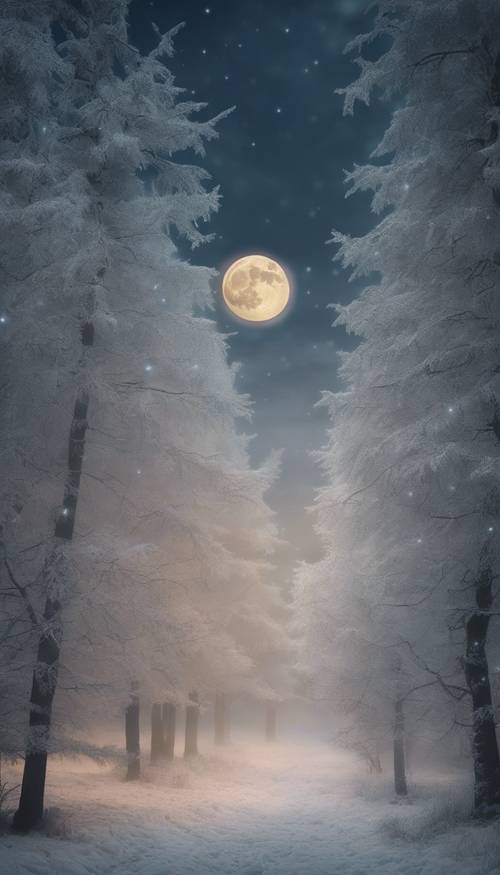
251 810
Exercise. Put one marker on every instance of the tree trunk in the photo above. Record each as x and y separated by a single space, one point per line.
157 743
484 740
409 748
271 721
400 785
374 763
43 687
169 730
221 719
55 575
192 714
132 736
44 682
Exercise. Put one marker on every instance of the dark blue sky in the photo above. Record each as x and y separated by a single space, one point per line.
280 163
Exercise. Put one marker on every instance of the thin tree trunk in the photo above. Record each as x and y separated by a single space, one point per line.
409 747
221 719
55 575
271 716
484 740
169 730
192 715
157 743
44 682
374 763
400 785
43 687
132 736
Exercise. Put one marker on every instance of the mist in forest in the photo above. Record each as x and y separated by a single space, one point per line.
249 566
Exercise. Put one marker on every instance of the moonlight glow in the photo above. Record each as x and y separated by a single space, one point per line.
256 288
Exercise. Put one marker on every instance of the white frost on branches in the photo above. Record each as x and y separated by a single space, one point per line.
173 536
410 509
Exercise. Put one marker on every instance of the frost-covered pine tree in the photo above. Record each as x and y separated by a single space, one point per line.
125 478
41 217
413 468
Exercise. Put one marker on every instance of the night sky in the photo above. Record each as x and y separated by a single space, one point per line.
280 163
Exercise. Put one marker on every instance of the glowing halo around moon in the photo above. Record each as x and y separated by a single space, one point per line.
256 288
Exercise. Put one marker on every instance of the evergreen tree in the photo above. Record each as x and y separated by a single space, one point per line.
412 465
124 470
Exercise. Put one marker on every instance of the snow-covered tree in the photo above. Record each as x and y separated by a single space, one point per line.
107 348
359 626
412 464
41 215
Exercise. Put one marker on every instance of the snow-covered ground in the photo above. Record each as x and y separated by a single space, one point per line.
253 810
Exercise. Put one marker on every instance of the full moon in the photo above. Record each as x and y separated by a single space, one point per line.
256 288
